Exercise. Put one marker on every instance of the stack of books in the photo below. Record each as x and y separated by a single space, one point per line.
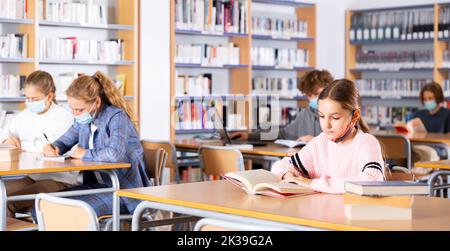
377 208
9 153
381 200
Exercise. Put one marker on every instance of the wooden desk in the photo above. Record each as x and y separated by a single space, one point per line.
271 149
31 163
224 201
422 137
439 164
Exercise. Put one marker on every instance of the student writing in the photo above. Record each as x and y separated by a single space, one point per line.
105 132
41 116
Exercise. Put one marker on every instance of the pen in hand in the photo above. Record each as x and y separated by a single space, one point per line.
47 151
46 138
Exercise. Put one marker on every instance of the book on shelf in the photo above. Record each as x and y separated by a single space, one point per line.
9 153
199 114
72 48
216 16
94 12
208 55
387 116
13 9
273 86
444 21
14 45
391 88
263 182
284 28
200 85
290 143
392 25
281 58
378 208
394 60
386 188
11 85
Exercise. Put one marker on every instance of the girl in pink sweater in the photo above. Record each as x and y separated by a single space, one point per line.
344 151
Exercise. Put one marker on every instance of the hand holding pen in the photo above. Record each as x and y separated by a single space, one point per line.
49 149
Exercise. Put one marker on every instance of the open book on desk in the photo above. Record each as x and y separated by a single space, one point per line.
263 182
290 143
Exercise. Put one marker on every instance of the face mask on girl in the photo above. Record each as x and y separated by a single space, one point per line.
85 118
346 132
36 106
314 104
430 105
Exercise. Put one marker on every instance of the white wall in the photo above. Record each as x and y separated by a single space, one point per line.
155 70
330 30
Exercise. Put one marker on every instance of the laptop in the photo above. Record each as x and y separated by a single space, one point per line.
225 136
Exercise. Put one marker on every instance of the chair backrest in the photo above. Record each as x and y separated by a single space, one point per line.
219 160
208 224
155 160
396 149
171 157
62 214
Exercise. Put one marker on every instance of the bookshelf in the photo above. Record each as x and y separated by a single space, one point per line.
233 83
378 33
121 23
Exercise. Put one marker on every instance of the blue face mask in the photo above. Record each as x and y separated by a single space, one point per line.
314 104
85 118
430 105
37 106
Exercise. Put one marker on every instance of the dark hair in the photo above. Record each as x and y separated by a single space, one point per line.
436 89
43 81
313 80
345 93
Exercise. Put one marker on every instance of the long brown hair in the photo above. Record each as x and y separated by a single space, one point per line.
345 93
88 88
43 81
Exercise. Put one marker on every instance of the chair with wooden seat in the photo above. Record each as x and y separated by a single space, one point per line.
155 160
171 162
219 160
62 214
19 225
396 149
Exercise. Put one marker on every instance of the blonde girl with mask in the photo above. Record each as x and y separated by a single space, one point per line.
105 132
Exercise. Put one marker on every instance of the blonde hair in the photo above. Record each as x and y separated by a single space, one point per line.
43 81
88 88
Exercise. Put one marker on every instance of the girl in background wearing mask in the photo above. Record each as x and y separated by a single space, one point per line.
306 124
30 130
344 151
434 119
104 131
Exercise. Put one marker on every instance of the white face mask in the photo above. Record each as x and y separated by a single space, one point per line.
85 118
36 106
